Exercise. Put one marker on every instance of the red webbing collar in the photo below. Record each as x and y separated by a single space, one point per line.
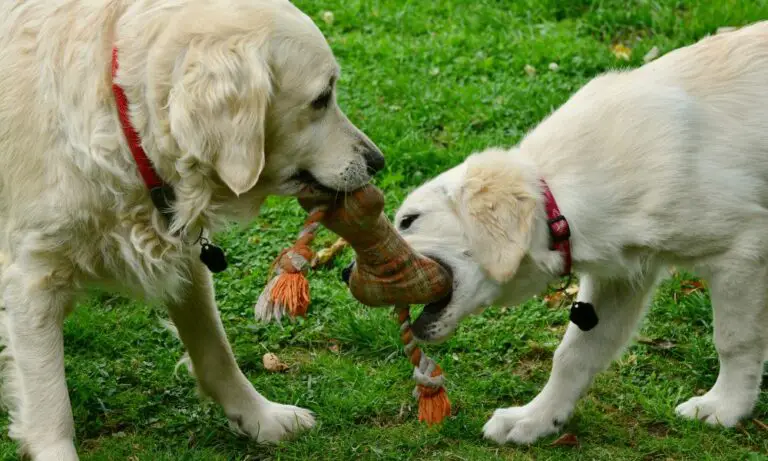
559 231
148 173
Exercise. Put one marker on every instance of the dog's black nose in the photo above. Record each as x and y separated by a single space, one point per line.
374 160
346 273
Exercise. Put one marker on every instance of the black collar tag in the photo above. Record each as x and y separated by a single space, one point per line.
583 315
211 255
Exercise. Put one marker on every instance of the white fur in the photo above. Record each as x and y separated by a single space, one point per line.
221 93
665 164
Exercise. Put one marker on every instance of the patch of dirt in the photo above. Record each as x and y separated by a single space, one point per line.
657 429
526 368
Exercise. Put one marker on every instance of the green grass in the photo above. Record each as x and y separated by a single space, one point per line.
430 82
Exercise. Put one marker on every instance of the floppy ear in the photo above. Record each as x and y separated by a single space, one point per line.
218 105
497 213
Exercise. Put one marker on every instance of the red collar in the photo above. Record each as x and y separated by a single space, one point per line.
559 231
161 193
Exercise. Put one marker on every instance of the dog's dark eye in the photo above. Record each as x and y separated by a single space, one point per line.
321 102
407 220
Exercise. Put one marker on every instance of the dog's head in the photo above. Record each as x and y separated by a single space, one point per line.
252 106
480 219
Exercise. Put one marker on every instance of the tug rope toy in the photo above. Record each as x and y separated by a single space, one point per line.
434 405
387 272
288 291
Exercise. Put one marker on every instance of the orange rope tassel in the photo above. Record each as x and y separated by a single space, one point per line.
292 291
288 291
434 405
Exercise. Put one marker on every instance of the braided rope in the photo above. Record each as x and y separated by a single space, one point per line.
434 405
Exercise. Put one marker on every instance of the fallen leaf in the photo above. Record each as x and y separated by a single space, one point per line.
691 286
272 363
652 54
530 70
621 52
567 440
334 347
554 299
572 290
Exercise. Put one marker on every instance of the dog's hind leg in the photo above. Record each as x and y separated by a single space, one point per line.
199 326
36 298
581 355
741 337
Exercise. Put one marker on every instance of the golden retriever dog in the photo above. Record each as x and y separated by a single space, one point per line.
231 100
662 165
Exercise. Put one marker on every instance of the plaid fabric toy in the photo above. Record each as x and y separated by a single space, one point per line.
386 272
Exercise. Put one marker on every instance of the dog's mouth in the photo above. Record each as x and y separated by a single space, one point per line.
310 186
427 326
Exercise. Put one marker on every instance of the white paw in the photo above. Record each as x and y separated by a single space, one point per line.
64 450
713 409
523 425
274 422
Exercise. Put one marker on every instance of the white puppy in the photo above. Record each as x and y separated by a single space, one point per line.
232 100
666 164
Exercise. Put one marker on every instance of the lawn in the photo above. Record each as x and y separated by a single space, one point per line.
430 82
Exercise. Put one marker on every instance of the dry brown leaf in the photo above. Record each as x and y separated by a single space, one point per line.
692 286
566 440
554 299
272 363
572 290
621 52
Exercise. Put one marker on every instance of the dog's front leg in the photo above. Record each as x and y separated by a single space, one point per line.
580 356
202 332
36 298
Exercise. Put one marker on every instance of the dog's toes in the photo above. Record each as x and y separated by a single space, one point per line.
63 450
275 422
498 426
713 410
520 425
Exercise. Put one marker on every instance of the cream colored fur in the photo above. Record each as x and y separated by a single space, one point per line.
666 164
228 97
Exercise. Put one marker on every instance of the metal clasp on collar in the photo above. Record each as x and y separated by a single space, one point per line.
558 233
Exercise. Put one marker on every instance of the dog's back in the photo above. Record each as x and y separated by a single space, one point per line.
693 123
